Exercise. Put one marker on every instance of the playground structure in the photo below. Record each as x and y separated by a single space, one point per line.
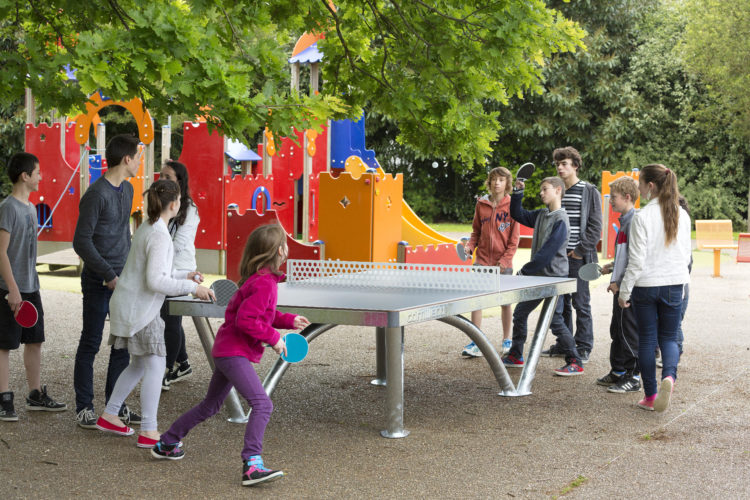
320 186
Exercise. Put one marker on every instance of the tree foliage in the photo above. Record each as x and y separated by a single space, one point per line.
425 65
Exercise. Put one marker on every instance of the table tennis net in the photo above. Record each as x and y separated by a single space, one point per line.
335 273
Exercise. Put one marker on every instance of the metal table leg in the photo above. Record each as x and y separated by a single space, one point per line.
380 375
489 352
394 396
232 403
280 366
540 333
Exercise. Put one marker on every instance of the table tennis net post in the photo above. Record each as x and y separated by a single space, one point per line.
340 274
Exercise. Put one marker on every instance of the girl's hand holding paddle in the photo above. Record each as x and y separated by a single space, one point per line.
300 323
623 303
280 347
204 293
520 185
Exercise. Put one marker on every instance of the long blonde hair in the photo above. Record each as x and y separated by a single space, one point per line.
262 250
666 182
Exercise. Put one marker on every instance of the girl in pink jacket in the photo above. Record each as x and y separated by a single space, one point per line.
495 237
250 322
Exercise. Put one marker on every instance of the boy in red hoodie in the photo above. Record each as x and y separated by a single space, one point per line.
495 237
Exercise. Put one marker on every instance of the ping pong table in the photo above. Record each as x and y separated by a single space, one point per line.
390 296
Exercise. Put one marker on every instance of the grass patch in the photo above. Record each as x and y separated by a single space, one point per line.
575 483
452 227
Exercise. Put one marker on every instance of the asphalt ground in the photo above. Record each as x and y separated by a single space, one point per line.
570 437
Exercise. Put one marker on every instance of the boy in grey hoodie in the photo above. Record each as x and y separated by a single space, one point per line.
548 258
624 375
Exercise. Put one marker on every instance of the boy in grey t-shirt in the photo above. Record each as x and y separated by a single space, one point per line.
18 282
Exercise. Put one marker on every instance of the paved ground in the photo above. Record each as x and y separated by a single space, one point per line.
569 437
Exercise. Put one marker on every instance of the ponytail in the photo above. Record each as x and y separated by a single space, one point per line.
158 196
666 183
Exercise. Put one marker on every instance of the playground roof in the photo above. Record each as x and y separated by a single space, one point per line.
309 55
239 152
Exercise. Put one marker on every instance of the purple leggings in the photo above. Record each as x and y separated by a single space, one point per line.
234 371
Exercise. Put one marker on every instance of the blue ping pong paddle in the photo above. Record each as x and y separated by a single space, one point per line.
296 348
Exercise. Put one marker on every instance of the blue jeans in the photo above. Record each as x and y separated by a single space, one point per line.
683 308
559 329
95 309
581 302
657 311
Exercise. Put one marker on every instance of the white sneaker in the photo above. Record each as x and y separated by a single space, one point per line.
471 351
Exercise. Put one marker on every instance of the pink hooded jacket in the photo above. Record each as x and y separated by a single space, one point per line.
251 319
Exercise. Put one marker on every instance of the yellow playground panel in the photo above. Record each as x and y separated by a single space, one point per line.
360 217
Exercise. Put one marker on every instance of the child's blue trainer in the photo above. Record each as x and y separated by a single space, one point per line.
254 472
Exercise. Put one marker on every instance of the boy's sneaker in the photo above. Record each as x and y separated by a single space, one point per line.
166 380
507 344
86 418
661 402
584 355
571 369
625 384
254 472
128 416
609 379
167 451
554 352
7 410
40 401
512 361
471 351
181 373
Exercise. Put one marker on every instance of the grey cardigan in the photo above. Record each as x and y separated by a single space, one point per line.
591 223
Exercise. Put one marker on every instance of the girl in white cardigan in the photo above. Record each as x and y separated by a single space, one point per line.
658 257
135 322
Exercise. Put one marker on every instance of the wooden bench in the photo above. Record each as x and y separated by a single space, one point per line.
714 235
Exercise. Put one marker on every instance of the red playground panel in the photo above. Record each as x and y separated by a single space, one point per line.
239 227
443 253
743 247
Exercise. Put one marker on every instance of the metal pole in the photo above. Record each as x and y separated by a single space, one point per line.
380 368
394 390
488 350
540 333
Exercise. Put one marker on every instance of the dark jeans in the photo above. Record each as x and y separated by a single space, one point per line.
581 302
559 329
683 308
657 311
95 309
623 353
174 337
237 372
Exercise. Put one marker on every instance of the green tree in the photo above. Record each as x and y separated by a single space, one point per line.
427 66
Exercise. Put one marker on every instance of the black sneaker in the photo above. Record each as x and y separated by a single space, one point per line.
625 384
168 451
181 373
128 416
7 410
609 379
40 401
554 352
254 472
584 355
166 380
86 418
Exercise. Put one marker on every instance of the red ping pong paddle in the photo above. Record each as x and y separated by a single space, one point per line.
27 315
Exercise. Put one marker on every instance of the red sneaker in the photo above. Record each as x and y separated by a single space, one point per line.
105 426
569 370
647 403
145 442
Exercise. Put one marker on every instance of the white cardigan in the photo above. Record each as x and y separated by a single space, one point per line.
650 261
146 280
184 241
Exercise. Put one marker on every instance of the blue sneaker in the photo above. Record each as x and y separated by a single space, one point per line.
512 361
507 344
471 351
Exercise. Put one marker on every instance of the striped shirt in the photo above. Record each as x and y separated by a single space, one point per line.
571 202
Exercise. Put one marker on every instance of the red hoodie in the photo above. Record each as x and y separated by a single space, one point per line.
494 233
